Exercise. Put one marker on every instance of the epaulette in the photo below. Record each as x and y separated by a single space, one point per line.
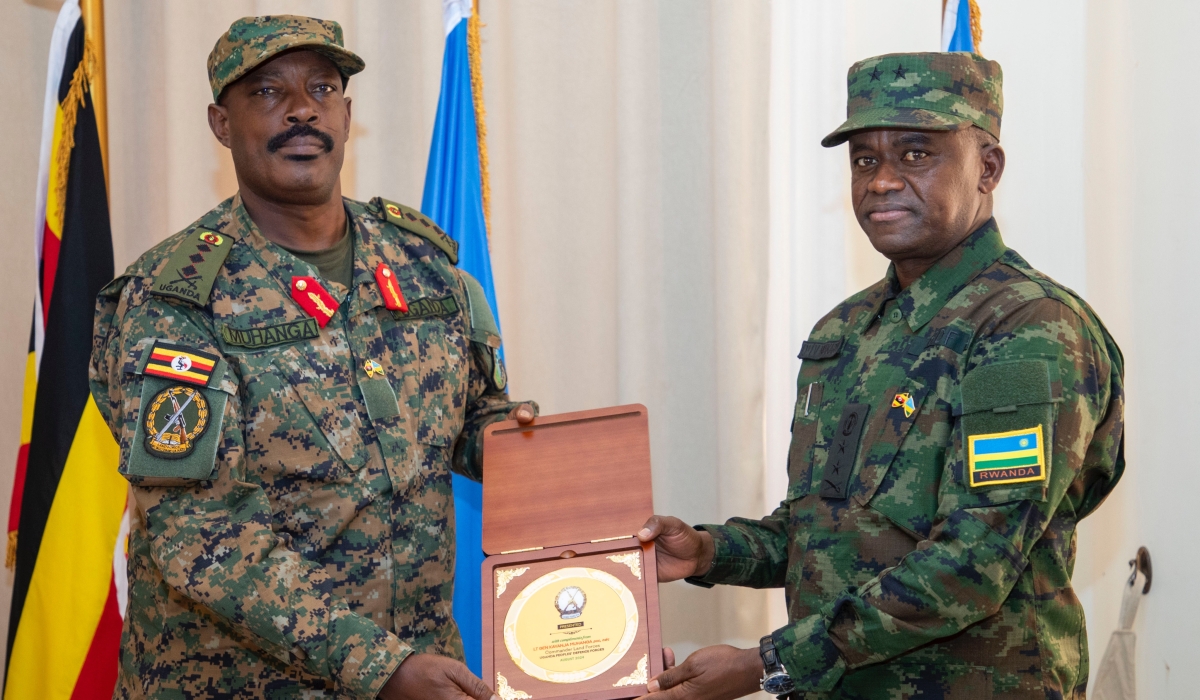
417 223
193 267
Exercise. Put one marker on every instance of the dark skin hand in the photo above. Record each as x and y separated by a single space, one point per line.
522 414
712 672
423 676
290 184
918 194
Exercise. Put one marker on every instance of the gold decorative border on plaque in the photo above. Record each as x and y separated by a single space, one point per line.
505 577
507 693
631 559
638 677
527 664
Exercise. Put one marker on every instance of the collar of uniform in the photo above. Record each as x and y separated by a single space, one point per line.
923 299
280 264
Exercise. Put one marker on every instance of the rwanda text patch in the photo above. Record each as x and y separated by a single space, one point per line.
1006 458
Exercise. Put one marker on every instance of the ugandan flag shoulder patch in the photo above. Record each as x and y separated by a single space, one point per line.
181 363
1012 457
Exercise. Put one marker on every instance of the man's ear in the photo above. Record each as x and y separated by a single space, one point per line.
218 121
993 168
348 118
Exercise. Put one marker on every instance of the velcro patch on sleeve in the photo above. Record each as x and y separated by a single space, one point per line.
1011 457
181 363
810 350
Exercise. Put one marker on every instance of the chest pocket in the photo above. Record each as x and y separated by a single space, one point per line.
888 425
873 481
805 427
442 378
286 398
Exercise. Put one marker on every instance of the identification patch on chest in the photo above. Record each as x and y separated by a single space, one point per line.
267 335
1011 457
843 451
426 307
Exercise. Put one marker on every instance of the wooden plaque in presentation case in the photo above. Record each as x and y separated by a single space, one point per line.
570 596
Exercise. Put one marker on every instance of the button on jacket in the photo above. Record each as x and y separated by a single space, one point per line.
946 441
312 548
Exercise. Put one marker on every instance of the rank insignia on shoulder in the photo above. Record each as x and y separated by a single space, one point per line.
1012 457
181 363
389 287
175 420
417 223
905 400
193 267
314 299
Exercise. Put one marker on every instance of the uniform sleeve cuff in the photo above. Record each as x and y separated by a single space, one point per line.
369 655
809 655
726 568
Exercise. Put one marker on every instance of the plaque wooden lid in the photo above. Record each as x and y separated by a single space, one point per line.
566 479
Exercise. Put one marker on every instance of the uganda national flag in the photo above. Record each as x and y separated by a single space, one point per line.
67 524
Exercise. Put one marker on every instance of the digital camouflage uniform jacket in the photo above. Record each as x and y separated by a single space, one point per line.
305 546
902 579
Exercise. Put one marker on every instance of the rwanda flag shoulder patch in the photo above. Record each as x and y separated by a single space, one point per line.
171 361
1013 457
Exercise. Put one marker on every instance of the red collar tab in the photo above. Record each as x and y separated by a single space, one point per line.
312 297
393 298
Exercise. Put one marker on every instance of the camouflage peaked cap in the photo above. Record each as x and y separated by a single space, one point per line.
251 41
934 91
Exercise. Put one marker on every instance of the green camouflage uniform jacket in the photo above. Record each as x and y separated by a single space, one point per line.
947 439
305 544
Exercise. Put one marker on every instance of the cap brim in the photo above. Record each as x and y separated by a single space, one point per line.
347 62
895 118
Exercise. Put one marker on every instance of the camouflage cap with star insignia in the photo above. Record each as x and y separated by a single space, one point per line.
929 91
251 41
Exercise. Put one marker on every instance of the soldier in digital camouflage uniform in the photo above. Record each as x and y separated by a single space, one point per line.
954 422
289 420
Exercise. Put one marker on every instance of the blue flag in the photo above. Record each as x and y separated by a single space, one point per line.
454 199
956 26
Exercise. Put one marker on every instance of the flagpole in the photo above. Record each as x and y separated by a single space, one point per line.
93 27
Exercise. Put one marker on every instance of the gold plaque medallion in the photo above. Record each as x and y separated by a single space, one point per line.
571 625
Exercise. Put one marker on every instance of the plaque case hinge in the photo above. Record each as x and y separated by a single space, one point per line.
518 551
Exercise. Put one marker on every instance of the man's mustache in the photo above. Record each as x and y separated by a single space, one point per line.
278 141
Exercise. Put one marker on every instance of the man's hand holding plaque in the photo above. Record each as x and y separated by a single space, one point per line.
712 673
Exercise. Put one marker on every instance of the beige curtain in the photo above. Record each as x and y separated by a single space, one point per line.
628 147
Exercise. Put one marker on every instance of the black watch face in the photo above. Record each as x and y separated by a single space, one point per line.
779 684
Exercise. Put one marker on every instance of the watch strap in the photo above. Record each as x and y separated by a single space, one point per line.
770 658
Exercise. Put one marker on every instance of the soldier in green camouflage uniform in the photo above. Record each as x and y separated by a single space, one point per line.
954 423
290 437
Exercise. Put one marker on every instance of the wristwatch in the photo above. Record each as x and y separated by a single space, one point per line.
775 680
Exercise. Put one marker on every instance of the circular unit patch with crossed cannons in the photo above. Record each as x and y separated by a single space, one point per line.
175 420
